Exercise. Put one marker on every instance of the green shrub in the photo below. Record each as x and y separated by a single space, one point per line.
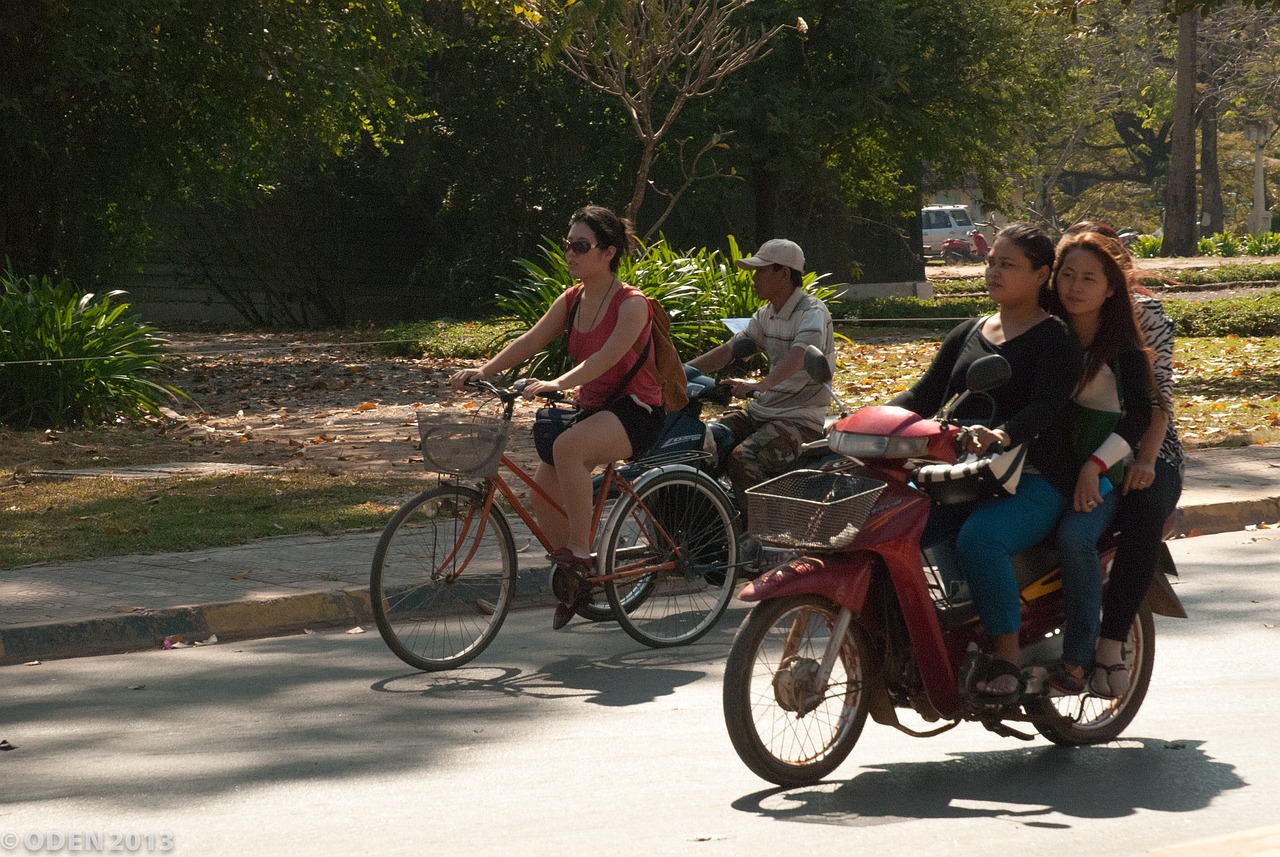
937 314
697 289
1224 244
1263 244
446 338
1206 247
966 286
1147 246
1254 315
1235 272
68 359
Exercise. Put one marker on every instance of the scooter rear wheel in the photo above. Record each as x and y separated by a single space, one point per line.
786 729
1089 719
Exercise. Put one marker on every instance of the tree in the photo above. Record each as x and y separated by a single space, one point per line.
654 56
116 112
1180 229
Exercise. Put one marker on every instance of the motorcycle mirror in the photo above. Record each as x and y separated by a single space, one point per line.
744 347
815 363
988 373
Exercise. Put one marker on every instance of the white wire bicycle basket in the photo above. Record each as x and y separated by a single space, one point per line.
459 447
817 510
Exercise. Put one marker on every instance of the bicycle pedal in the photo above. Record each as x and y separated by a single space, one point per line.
565 585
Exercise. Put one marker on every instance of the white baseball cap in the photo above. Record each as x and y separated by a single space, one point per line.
776 251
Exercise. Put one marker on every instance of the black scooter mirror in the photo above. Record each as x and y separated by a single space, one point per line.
987 373
815 363
744 347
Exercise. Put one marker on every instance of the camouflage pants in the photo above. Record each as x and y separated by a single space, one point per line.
759 450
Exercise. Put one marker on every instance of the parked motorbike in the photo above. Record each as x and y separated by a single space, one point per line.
956 250
862 624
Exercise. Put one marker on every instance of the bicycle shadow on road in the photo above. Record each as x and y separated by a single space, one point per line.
629 678
1026 785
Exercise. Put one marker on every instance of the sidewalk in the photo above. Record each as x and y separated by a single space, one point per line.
290 584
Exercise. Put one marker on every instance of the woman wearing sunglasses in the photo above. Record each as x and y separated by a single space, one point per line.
620 403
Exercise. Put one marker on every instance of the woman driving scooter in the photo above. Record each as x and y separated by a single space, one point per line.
1046 362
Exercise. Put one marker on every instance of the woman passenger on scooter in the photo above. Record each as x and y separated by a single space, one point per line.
608 317
1152 485
1109 415
1046 361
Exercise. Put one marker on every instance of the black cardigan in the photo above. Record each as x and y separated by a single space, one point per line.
1046 361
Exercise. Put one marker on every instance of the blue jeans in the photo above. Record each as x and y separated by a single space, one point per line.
1077 540
992 533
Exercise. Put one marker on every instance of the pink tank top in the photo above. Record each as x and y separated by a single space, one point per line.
596 394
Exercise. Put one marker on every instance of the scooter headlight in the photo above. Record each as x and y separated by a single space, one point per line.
877 445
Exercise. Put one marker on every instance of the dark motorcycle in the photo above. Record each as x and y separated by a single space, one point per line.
861 624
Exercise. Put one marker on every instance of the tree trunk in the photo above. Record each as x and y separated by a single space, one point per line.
764 192
1210 181
1180 197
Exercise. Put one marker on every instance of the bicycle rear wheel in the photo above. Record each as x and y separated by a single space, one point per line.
444 575
679 523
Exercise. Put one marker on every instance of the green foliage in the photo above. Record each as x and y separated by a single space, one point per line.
1146 246
447 339
697 290
1254 315
67 358
1264 244
937 314
960 286
1227 273
115 114
1224 244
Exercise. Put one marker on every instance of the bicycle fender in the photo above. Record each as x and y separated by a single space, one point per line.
845 580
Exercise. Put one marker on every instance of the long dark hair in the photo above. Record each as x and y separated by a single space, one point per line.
610 230
1117 329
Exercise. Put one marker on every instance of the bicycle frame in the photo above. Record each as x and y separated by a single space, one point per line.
498 485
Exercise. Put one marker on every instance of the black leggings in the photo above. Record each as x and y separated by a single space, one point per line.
1140 521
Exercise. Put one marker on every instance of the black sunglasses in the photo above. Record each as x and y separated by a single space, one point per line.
578 246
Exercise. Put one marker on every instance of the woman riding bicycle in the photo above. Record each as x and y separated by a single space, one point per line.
620 404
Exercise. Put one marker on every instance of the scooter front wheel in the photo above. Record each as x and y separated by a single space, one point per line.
1089 719
788 726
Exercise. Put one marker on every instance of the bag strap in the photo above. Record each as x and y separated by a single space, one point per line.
640 361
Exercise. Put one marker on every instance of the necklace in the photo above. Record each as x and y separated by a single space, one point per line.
604 302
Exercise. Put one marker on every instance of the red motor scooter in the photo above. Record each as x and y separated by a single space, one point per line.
956 250
863 624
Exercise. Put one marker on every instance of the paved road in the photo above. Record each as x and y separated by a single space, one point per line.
550 743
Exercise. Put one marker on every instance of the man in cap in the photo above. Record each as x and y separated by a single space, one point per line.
786 408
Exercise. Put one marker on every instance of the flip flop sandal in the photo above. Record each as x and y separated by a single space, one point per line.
996 669
1064 682
1105 678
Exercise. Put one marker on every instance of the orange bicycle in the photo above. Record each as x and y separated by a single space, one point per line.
445 569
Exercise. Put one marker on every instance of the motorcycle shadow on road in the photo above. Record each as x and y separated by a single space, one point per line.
1034 786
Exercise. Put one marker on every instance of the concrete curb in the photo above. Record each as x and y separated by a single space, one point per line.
228 620
1212 518
266 617
141 631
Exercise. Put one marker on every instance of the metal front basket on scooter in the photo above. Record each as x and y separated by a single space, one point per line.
815 510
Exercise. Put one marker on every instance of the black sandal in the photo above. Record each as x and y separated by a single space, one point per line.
997 669
1066 682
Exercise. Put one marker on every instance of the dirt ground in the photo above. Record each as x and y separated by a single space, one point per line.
291 400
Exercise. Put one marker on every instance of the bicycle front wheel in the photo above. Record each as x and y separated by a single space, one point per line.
443 577
673 545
